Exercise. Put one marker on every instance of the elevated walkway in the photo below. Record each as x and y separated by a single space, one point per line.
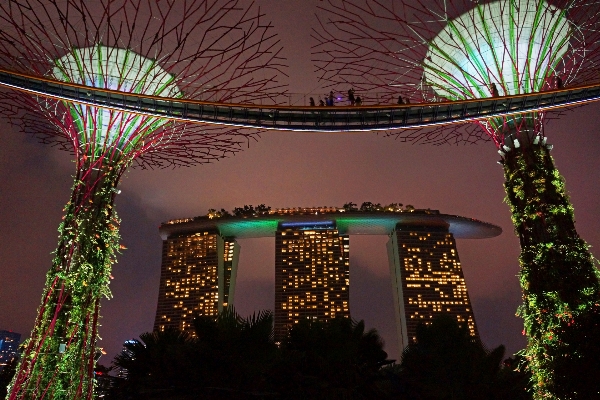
302 118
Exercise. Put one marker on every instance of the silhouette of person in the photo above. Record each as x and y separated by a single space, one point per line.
321 104
559 83
351 98
311 101
494 90
400 100
331 98
358 101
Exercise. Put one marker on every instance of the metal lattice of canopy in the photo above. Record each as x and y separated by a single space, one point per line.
222 51
425 51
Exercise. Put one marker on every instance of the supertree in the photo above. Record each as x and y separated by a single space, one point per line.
427 51
219 50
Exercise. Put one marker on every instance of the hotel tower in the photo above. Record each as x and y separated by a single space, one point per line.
312 268
427 279
197 277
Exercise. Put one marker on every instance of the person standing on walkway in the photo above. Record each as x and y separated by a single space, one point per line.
559 83
494 90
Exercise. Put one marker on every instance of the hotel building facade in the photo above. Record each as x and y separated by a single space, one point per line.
312 274
427 279
197 277
312 265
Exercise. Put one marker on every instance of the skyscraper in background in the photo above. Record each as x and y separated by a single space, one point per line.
312 268
197 277
312 274
427 278
9 346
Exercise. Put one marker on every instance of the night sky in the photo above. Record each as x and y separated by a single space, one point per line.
285 169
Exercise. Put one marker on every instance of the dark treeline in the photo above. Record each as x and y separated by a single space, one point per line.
237 358
6 376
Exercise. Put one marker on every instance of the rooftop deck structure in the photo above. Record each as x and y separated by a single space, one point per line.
347 222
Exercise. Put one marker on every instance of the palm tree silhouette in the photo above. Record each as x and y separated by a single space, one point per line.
446 362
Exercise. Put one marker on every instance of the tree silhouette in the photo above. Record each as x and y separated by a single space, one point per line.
227 358
350 207
160 365
446 362
235 352
6 375
334 360
231 357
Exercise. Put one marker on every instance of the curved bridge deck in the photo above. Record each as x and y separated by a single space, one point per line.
293 118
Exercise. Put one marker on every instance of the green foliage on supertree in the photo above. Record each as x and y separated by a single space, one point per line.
559 278
66 327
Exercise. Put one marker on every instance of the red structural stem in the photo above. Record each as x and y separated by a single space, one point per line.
92 197
49 332
21 374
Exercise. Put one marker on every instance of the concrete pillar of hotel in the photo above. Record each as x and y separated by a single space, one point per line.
395 275
229 254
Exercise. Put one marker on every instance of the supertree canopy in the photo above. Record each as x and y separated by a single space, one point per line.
496 49
217 50
516 44
116 69
426 51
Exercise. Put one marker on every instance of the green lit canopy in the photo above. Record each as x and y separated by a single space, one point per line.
117 69
514 44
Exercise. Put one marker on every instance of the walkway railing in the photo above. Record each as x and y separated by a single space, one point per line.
301 118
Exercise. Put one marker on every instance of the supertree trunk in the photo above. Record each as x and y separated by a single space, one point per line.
559 278
58 361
